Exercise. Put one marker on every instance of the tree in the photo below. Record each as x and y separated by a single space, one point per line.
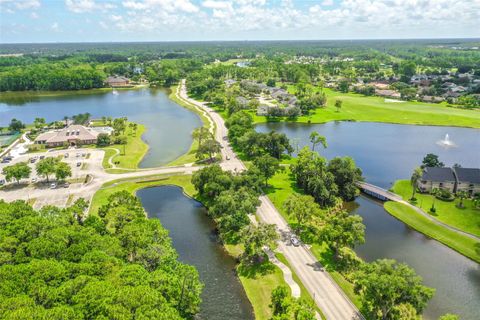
17 171
201 134
301 208
431 160
316 138
267 165
65 118
103 139
46 166
104 120
255 238
123 141
16 125
346 176
119 125
39 123
414 179
387 284
62 171
342 229
209 148
280 300
338 105
462 195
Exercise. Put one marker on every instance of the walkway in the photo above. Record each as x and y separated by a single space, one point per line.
386 195
327 295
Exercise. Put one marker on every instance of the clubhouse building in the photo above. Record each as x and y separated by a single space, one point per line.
73 135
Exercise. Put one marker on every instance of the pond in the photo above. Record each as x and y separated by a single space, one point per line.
387 152
168 125
194 238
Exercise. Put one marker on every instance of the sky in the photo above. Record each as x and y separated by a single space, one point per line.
25 21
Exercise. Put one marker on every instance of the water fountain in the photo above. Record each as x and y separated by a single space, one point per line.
446 142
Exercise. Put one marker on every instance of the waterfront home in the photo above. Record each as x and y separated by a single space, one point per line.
116 81
437 178
468 179
451 179
73 135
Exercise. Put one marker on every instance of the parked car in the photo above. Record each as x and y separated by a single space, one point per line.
66 155
34 180
42 157
2 182
227 157
294 240
66 185
53 186
84 155
4 160
78 155
32 160
79 164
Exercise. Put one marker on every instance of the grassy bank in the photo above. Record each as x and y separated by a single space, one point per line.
463 244
466 219
357 107
188 157
258 283
135 150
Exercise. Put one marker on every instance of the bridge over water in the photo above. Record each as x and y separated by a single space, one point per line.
378 192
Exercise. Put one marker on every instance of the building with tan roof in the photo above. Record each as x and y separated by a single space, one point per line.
73 135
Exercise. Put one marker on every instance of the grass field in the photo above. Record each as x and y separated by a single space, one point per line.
188 157
467 219
135 150
463 244
357 107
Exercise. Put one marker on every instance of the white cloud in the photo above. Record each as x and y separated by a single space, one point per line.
82 6
167 5
115 17
327 3
34 15
9 5
55 26
216 4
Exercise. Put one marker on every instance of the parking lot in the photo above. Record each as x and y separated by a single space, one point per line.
38 192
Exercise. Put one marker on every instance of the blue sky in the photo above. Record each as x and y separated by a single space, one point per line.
178 20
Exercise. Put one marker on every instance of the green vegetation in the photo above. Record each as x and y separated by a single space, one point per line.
463 244
466 218
357 107
129 155
115 263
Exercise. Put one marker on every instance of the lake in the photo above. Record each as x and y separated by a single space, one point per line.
387 152
194 238
169 125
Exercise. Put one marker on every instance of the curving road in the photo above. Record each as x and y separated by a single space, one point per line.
326 293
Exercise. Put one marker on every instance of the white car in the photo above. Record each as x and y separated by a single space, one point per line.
294 240
53 186
227 157
34 180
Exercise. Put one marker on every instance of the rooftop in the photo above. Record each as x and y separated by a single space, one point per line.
471 175
438 174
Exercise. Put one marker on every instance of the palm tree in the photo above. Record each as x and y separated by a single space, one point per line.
462 195
66 120
316 138
104 120
416 176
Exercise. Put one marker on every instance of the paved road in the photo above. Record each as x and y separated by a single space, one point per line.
328 296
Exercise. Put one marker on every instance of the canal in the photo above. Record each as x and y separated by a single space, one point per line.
194 238
169 125
387 152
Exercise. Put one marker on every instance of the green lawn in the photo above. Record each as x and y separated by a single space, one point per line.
357 107
188 157
132 185
135 150
465 245
467 219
